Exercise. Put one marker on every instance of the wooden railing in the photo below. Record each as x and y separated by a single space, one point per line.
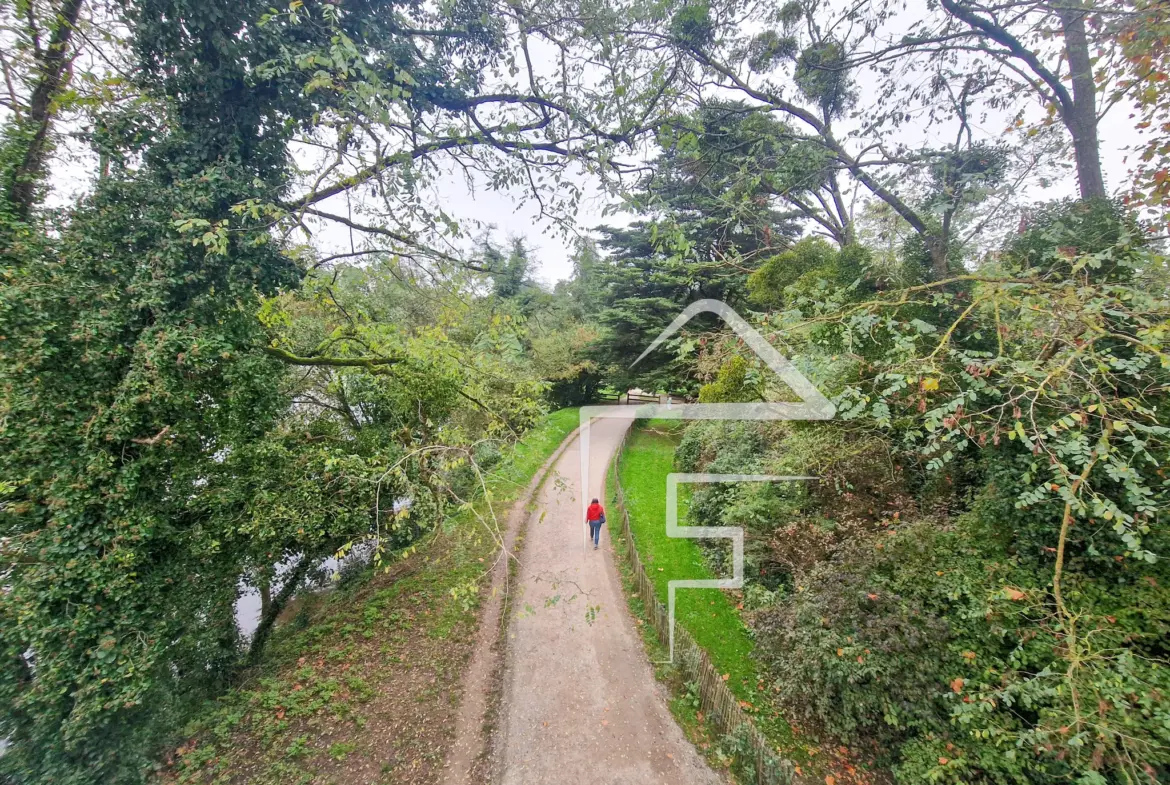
717 702
632 397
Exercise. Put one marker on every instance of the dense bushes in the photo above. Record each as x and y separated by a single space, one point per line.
850 640
934 644
977 589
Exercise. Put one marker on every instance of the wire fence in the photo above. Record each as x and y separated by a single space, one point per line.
718 703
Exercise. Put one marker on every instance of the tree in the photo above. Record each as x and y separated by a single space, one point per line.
153 448
803 62
45 75
710 219
997 33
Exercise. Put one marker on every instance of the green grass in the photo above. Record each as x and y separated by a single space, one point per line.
508 479
710 615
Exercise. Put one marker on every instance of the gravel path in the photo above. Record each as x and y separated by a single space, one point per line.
580 703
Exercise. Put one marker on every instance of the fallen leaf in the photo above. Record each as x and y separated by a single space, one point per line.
669 755
726 676
830 779
605 722
1014 594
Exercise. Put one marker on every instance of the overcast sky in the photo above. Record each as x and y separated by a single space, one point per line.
551 245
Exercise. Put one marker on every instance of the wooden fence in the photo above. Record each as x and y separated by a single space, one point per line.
717 702
632 397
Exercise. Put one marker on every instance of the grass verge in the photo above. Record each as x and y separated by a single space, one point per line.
684 705
362 684
712 616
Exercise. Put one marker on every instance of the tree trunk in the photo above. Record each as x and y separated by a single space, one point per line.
275 606
52 65
1081 117
936 246
265 589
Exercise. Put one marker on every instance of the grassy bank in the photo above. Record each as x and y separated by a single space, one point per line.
712 616
362 684
684 704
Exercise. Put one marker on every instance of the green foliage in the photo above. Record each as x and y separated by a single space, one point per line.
1036 385
1097 238
731 385
807 263
856 647
691 25
822 75
157 451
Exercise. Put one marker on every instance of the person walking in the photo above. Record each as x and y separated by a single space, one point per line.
595 516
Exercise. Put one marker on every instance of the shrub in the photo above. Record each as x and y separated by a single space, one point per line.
941 645
857 649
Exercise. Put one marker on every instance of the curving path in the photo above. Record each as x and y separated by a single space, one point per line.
580 703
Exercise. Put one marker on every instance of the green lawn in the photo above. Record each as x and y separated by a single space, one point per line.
710 615
507 479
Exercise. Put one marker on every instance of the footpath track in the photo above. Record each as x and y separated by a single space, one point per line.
579 702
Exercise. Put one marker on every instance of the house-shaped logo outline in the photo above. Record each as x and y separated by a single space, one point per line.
812 406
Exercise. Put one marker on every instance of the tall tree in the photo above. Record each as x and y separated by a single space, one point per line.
43 35
806 62
147 414
708 221
1012 34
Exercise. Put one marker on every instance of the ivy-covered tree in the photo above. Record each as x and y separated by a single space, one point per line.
153 449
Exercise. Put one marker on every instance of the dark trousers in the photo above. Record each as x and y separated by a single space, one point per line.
595 530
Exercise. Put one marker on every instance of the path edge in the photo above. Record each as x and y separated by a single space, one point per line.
474 743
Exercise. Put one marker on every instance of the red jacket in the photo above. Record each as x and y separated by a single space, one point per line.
594 512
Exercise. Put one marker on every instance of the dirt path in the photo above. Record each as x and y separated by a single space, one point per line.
580 703
469 759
